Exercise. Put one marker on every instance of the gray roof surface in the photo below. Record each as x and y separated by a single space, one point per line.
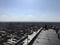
48 37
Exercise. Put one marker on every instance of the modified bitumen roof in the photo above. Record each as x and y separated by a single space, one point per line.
48 37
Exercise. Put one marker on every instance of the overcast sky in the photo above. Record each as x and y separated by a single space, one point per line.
30 10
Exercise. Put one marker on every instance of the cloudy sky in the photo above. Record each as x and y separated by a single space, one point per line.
30 10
